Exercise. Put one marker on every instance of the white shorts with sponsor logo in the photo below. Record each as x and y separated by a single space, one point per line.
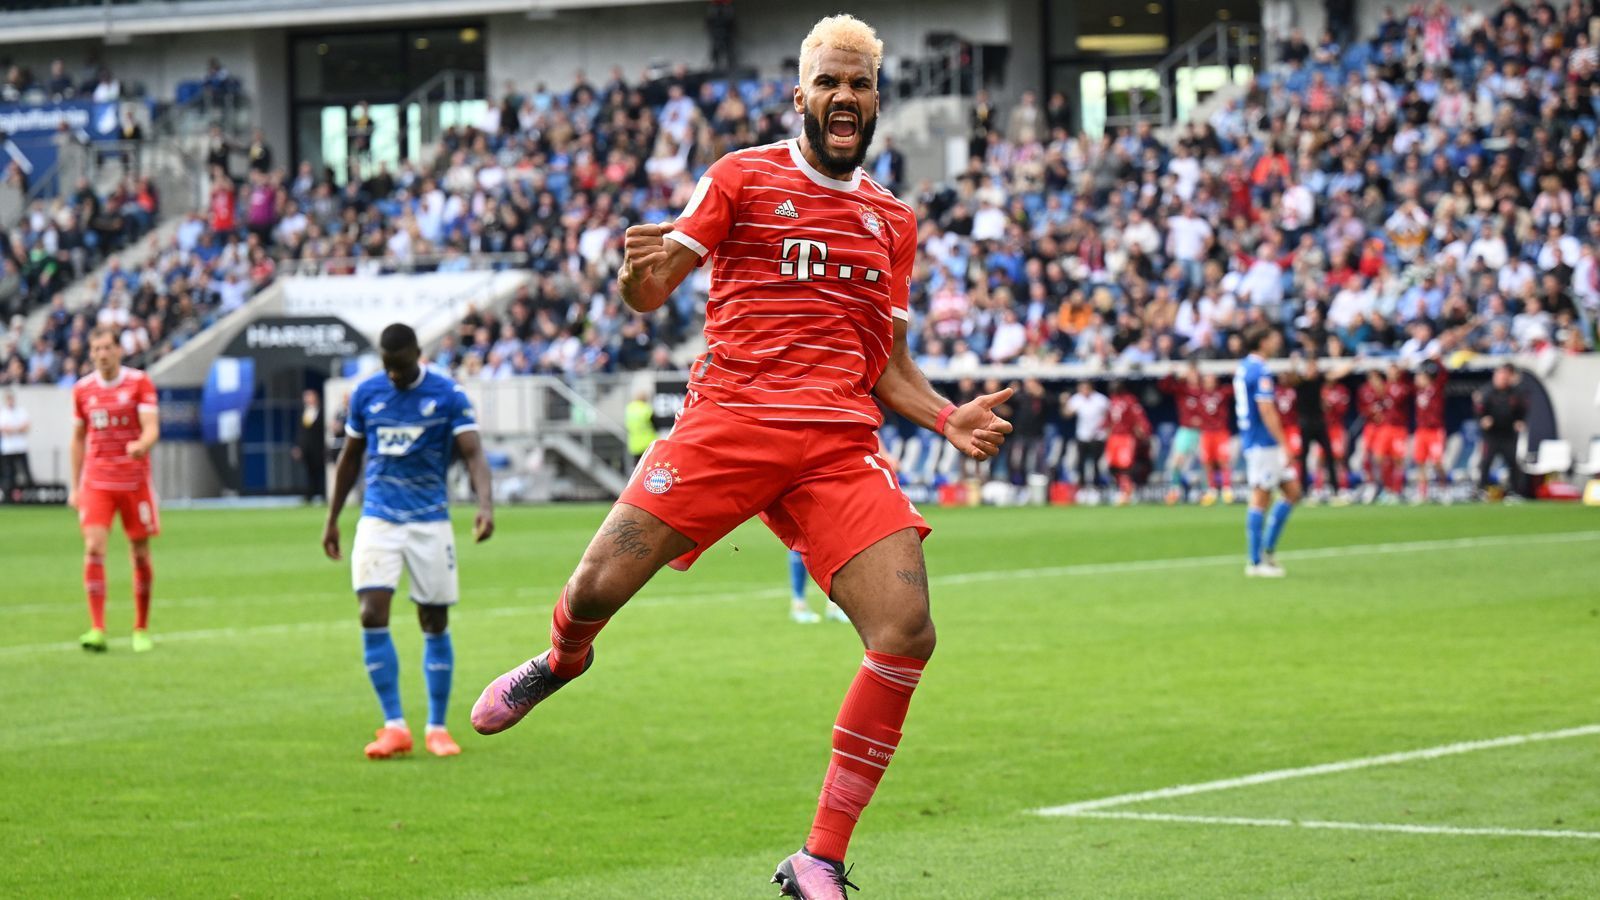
427 551
1267 467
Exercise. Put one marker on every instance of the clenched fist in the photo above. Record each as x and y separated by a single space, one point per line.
648 271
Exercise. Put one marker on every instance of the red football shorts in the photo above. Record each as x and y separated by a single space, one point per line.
1336 439
1429 445
1214 447
1389 442
141 516
1119 451
1292 441
820 487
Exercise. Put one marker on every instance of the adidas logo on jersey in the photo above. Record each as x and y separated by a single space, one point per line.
787 210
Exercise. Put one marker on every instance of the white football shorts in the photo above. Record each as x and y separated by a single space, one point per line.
427 551
1267 467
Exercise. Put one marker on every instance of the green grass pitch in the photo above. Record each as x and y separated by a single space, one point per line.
687 762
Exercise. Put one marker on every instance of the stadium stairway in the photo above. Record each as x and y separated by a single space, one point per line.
932 132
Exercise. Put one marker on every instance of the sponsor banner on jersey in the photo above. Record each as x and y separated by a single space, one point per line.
397 440
427 302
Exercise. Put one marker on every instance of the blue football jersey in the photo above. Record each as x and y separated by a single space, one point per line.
1252 382
409 434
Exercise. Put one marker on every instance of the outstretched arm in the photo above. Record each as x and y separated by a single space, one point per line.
974 429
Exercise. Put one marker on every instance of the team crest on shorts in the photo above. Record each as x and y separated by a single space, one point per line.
660 477
870 219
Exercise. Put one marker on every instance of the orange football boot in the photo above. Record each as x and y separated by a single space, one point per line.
440 743
390 742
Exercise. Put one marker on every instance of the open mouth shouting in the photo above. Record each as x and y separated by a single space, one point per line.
844 129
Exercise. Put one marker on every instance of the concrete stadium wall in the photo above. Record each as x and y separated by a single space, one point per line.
528 51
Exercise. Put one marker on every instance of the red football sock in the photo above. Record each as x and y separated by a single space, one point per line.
864 740
142 577
570 639
1397 476
94 584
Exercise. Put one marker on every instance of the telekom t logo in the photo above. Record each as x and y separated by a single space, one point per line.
802 268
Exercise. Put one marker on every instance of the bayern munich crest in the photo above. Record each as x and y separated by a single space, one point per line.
871 220
659 478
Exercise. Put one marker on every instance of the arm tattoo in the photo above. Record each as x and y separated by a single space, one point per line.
913 577
627 539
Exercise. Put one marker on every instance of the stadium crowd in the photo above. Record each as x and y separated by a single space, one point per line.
1427 191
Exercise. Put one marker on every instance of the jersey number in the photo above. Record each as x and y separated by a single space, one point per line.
887 475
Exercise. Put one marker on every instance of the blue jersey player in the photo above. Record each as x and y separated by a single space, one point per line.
404 422
1266 459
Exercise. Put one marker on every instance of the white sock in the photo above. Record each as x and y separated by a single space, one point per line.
397 723
433 728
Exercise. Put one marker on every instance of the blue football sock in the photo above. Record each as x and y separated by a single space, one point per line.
383 667
1253 523
1280 518
797 575
439 663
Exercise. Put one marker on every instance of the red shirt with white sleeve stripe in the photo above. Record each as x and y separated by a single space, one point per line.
808 275
109 411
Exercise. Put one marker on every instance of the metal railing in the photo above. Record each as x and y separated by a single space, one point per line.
431 98
337 267
1222 44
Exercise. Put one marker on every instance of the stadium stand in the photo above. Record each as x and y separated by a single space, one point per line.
1424 192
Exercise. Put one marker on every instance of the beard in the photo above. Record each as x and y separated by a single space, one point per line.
834 163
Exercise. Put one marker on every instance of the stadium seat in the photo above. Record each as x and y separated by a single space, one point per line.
1554 458
1591 466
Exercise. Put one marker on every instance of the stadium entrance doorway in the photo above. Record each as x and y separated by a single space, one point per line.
252 404
364 101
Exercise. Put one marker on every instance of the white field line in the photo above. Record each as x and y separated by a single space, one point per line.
1340 826
1081 570
1349 765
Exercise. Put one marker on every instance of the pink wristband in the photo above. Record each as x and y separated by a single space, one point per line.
944 417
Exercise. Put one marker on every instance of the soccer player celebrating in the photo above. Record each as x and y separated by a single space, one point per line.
403 421
1370 398
1335 409
115 423
1427 449
1266 458
1394 425
1186 393
806 325
1128 425
1216 404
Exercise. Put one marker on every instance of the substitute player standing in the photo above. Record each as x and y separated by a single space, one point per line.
404 421
1427 448
114 425
806 325
1185 394
1266 457
1216 403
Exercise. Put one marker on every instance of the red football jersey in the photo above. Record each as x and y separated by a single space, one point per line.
808 274
1369 403
1288 406
1216 408
1126 416
109 411
1397 403
1187 397
1335 404
1430 403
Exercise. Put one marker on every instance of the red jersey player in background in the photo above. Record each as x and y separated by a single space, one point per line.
115 424
1289 415
805 329
1335 410
1216 418
1185 393
1394 424
1369 406
1127 425
1427 449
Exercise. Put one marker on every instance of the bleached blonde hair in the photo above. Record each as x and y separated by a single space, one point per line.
841 32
